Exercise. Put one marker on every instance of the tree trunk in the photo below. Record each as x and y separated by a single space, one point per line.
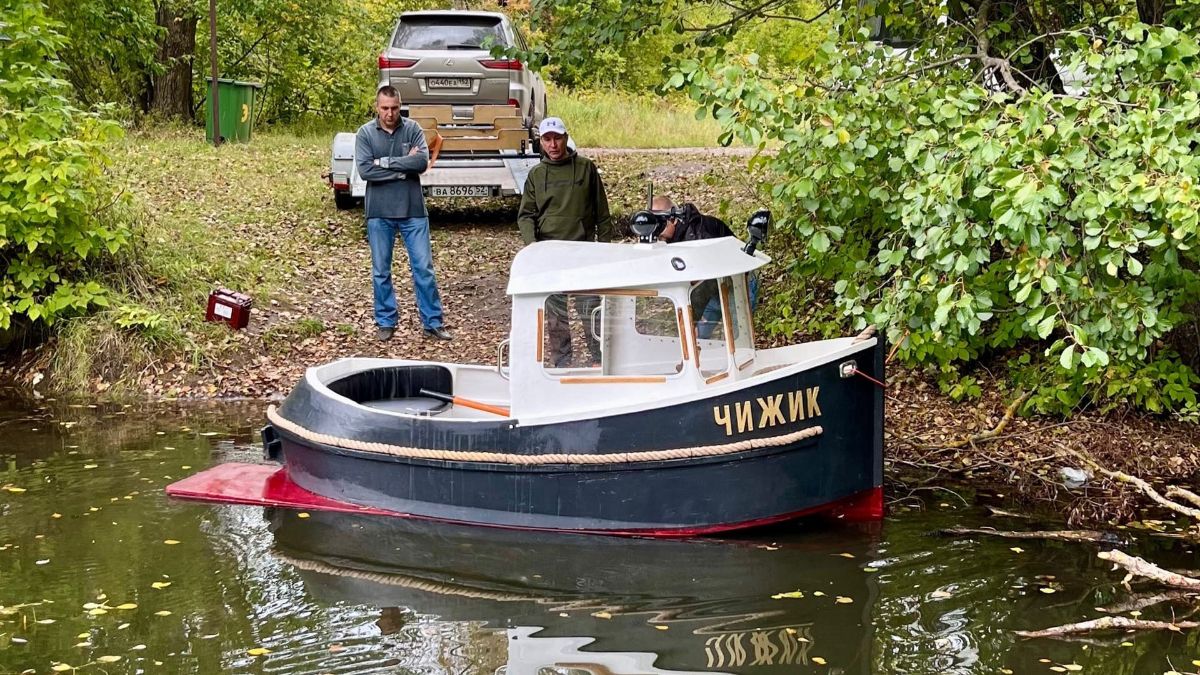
171 90
1151 11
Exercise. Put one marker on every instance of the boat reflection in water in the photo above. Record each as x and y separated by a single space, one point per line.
578 604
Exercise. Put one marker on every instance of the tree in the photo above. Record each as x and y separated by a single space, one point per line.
1016 182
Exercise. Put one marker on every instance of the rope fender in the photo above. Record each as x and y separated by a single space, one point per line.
531 460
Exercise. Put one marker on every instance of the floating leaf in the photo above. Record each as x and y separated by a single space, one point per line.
789 594
62 667
1073 667
258 651
171 542
43 562
97 611
163 612
83 636
56 515
45 622
14 489
91 466
209 636
843 600
83 645
846 555
160 584
1047 590
124 626
137 648
1058 669
90 605
127 605
660 627
1017 549
302 514
940 595
18 641
870 569
818 660
1135 614
819 594
108 659
602 615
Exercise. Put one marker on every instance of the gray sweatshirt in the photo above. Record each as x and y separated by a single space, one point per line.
393 185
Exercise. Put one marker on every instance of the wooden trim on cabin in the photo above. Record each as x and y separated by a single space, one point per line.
541 326
716 378
727 319
635 292
616 379
695 339
746 363
683 343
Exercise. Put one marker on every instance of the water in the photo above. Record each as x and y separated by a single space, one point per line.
98 568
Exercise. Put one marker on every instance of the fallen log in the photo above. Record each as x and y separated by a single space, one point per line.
1108 623
1090 536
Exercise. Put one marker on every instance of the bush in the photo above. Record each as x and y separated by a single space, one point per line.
56 200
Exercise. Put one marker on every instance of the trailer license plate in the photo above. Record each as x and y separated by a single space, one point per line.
450 82
460 191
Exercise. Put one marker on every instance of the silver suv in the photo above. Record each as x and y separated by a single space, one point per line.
443 57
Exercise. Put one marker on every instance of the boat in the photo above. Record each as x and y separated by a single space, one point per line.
681 426
535 602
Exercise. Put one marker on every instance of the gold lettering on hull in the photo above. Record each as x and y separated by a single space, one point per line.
772 647
802 404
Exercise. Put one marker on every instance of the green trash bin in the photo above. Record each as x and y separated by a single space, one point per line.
237 110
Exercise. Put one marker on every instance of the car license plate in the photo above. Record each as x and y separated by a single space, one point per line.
460 191
450 82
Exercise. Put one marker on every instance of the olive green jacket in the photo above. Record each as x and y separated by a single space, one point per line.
563 199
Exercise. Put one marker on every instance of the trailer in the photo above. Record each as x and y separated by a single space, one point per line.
485 151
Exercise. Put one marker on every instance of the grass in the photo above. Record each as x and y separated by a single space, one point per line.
258 218
615 119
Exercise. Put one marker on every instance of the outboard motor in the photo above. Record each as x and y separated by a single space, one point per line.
758 226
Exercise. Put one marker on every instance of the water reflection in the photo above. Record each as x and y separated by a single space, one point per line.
574 604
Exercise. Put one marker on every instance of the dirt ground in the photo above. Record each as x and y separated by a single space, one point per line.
932 443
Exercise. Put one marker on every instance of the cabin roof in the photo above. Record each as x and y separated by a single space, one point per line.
562 266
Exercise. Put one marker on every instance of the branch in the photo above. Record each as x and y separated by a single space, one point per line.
1107 623
996 430
1146 488
761 10
1188 495
1091 536
1140 567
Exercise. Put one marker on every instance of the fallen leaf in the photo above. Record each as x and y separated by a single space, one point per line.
1017 549
602 615
108 659
843 600
127 605
818 660
661 627
171 542
160 584
163 612
258 651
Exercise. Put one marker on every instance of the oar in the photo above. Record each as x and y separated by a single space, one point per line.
466 402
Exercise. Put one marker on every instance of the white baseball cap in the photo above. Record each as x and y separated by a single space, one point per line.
552 125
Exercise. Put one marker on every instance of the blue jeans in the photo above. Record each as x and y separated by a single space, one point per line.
710 318
381 235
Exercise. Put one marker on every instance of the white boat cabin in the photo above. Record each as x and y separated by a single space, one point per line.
670 320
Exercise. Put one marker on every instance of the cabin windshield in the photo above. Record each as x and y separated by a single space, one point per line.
633 332
724 335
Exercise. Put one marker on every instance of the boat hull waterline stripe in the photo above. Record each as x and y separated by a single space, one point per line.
560 458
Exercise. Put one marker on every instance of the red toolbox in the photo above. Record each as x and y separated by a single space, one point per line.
229 306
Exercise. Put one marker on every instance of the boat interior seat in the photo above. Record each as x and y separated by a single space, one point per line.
411 405
398 388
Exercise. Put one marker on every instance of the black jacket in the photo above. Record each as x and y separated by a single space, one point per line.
695 225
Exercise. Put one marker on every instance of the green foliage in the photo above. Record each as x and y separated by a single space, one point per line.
113 48
56 203
968 217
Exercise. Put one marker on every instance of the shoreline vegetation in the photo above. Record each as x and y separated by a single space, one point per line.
257 218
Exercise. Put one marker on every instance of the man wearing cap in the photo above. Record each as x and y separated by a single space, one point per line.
564 199
390 154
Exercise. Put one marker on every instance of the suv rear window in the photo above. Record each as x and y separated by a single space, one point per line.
449 32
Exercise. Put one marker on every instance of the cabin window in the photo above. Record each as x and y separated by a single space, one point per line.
721 311
612 333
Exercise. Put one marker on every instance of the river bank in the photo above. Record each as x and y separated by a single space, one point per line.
258 219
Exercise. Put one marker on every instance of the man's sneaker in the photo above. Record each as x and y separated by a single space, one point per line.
438 333
385 334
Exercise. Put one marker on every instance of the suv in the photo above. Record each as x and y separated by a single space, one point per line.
443 58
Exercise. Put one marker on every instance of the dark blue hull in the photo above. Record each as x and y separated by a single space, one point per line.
840 467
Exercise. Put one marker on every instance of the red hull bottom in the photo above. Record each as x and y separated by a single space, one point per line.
269 485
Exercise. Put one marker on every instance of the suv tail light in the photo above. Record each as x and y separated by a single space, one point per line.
514 103
501 64
385 62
